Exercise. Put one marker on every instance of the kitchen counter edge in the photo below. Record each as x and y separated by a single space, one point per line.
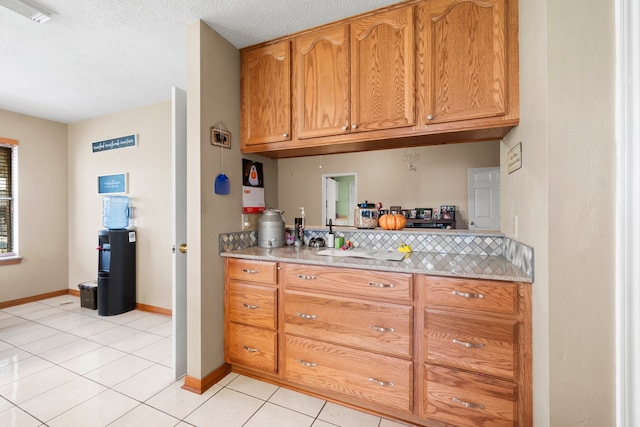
435 264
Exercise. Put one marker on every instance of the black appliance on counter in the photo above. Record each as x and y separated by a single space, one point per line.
116 271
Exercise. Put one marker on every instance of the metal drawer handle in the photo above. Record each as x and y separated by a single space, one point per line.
467 404
251 307
244 270
381 285
381 383
250 350
303 277
380 329
468 344
306 316
467 294
307 364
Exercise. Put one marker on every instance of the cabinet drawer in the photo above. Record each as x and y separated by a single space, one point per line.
485 295
486 346
252 271
252 305
371 378
385 328
360 283
252 347
468 400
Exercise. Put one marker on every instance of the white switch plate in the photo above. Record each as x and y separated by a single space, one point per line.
246 222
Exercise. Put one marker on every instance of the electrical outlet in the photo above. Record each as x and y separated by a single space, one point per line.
246 222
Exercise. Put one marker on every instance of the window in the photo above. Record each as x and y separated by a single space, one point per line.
8 172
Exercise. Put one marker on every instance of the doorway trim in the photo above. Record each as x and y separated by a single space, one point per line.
324 190
628 208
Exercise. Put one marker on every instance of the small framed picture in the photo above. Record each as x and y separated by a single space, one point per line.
395 209
112 184
413 213
448 211
220 138
428 213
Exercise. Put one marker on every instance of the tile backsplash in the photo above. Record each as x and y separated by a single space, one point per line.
456 242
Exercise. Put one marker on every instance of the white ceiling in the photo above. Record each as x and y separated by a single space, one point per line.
97 57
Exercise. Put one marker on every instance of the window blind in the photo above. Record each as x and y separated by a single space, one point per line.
6 200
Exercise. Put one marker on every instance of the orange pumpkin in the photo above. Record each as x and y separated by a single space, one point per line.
392 222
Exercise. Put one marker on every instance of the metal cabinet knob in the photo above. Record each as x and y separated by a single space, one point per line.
284 135
344 127
354 126
430 117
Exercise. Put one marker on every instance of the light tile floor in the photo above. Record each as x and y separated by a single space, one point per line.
63 365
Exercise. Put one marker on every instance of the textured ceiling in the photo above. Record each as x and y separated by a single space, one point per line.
97 57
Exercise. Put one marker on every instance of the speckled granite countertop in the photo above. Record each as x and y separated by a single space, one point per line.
469 266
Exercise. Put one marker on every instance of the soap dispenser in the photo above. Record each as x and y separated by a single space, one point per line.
299 231
331 238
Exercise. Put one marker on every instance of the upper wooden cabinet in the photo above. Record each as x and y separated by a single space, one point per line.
321 82
266 94
420 72
383 71
463 54
356 77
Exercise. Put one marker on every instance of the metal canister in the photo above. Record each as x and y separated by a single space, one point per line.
271 232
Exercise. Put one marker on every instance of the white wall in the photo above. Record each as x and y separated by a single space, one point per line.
148 166
564 198
441 178
42 181
213 95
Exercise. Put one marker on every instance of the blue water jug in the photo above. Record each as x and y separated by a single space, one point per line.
115 212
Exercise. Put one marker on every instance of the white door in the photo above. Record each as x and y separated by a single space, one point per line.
331 199
484 198
179 229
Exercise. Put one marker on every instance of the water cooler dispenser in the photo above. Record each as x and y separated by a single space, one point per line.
116 259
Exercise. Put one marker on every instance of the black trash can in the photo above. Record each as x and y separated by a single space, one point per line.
89 295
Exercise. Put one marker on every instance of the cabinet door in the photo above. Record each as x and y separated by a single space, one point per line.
321 82
465 399
380 327
383 71
266 94
462 56
369 378
252 305
480 344
253 348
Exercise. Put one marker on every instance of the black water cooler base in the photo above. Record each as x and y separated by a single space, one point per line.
113 300
116 272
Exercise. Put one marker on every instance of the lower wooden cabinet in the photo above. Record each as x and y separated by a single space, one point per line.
251 315
383 328
465 399
253 348
426 350
487 346
372 379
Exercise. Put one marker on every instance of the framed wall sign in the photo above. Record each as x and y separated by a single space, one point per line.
515 158
114 143
112 184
